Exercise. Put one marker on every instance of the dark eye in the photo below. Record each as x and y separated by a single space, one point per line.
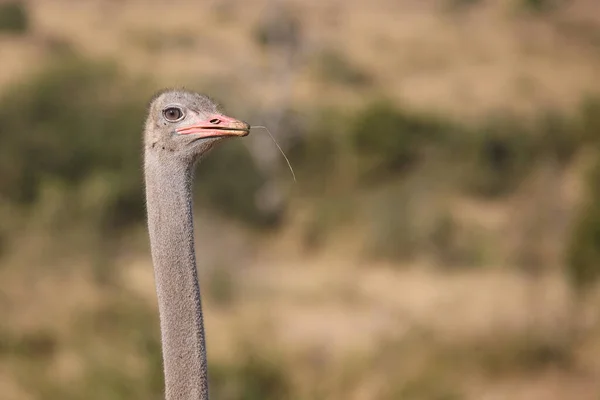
173 114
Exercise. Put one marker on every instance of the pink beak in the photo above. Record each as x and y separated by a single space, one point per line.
217 125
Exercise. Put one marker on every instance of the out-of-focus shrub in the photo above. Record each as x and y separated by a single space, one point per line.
155 41
496 156
228 180
539 5
221 286
78 125
459 5
583 252
393 228
388 139
499 153
333 66
589 116
558 137
279 27
410 220
316 152
13 17
253 377
75 120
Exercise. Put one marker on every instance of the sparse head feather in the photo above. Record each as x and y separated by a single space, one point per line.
185 123
156 125
186 97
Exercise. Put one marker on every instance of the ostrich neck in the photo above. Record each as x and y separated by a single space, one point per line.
170 225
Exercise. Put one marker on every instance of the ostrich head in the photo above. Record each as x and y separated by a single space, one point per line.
185 125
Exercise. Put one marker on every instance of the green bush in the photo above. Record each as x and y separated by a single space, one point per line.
38 345
254 377
390 140
221 286
318 146
583 251
75 120
393 228
76 127
453 245
539 6
280 27
496 156
333 66
589 116
156 41
558 137
499 153
228 181
460 5
13 17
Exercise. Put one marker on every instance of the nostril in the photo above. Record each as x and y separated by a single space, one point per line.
215 121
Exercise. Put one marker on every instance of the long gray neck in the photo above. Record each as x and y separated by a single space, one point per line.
170 224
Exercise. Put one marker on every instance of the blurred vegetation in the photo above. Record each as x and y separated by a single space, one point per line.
71 155
460 5
389 140
96 338
583 251
278 28
229 180
399 164
14 17
254 376
540 5
155 42
71 141
69 127
332 66
499 154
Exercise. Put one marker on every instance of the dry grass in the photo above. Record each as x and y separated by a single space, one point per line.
492 332
492 56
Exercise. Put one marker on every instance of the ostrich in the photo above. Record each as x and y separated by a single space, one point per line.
180 128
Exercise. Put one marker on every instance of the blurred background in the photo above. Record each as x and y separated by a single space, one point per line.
442 241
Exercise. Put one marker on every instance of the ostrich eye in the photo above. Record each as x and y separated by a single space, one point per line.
173 114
